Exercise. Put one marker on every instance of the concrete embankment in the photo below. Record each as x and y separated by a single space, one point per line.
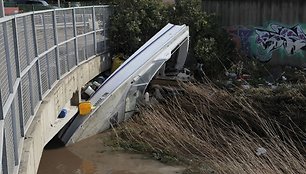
46 123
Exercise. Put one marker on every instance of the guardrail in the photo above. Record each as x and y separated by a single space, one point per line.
36 50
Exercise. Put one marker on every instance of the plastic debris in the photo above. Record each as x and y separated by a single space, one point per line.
63 113
246 86
147 97
100 79
231 75
269 84
85 108
97 84
261 151
89 91
185 75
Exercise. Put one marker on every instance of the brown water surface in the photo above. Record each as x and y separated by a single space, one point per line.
91 156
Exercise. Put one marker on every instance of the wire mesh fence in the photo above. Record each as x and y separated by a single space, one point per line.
36 50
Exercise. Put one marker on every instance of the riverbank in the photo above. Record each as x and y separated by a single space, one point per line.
99 155
211 130
198 129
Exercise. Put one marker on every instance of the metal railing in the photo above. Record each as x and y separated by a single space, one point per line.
36 50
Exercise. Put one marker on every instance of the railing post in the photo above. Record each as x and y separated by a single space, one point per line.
94 28
37 64
16 41
15 138
13 107
85 31
1 132
31 91
21 113
67 51
34 35
26 38
47 57
1 108
4 154
57 49
75 34
29 73
48 70
2 13
104 28
7 56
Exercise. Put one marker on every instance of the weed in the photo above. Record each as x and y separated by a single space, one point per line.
212 130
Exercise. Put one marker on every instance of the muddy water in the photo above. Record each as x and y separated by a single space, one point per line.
91 156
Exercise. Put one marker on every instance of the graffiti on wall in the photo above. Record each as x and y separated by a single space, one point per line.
291 40
262 43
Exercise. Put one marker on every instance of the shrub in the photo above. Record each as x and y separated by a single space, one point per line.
136 21
213 130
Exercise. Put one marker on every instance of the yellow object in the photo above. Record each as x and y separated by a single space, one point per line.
85 108
117 61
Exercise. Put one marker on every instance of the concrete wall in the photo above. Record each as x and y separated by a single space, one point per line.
46 124
275 43
269 31
256 12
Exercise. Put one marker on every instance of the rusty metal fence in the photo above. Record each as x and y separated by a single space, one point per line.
36 50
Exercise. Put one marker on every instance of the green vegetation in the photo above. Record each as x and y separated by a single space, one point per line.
211 130
207 128
136 21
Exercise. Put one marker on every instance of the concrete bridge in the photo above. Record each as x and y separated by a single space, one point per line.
45 59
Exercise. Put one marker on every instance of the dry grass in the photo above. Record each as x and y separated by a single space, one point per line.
214 131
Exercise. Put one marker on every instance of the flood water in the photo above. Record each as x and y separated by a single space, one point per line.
91 156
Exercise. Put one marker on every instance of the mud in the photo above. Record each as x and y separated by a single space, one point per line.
92 156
